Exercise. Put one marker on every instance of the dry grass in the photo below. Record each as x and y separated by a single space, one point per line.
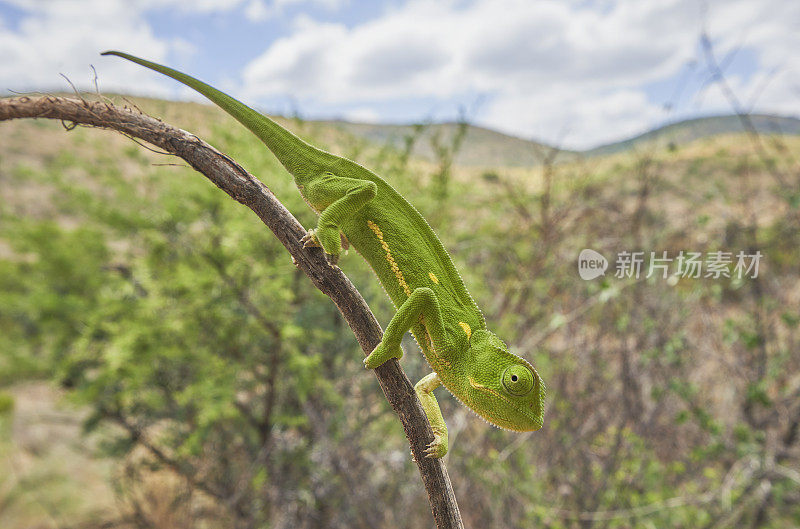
48 474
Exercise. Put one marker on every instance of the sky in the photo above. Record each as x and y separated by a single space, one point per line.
576 73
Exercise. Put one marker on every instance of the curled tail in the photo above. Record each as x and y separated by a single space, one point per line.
298 157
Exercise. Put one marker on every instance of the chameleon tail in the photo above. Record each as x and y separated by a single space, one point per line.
298 157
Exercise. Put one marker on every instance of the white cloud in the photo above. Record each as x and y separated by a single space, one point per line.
257 11
568 118
547 65
573 72
195 6
771 32
363 115
328 4
66 39
254 10
66 36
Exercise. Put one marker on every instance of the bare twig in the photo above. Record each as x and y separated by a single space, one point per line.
246 189
718 76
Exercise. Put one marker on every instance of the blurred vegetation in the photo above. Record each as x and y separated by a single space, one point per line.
223 390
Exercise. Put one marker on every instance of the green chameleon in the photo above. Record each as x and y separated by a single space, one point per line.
415 270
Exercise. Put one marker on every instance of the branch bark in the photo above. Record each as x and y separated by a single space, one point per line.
248 190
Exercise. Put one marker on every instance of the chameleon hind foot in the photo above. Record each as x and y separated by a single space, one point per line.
437 448
424 390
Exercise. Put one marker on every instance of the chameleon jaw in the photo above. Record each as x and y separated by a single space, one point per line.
494 393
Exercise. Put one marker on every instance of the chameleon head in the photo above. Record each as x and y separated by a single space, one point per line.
501 387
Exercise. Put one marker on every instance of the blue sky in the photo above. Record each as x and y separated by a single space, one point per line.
577 73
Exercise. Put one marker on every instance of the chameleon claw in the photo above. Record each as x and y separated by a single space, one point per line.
436 448
309 240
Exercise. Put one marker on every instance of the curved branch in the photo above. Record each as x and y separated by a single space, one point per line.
246 189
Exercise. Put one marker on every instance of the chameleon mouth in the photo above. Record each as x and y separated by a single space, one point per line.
521 410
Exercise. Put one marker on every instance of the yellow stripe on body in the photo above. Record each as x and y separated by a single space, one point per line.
392 263
402 280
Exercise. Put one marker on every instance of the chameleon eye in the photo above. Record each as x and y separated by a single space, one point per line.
518 380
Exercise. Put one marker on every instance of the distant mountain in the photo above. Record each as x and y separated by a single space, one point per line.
480 146
486 147
682 132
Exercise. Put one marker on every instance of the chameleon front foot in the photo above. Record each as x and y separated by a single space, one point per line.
311 240
381 354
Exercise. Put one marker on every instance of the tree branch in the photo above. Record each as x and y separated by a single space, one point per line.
246 189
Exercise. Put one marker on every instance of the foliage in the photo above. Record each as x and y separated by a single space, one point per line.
230 393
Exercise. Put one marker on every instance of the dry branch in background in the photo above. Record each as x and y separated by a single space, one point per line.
248 190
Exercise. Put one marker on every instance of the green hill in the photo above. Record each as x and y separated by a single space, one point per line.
481 146
484 147
682 132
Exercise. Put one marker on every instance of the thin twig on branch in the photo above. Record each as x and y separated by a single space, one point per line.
246 189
